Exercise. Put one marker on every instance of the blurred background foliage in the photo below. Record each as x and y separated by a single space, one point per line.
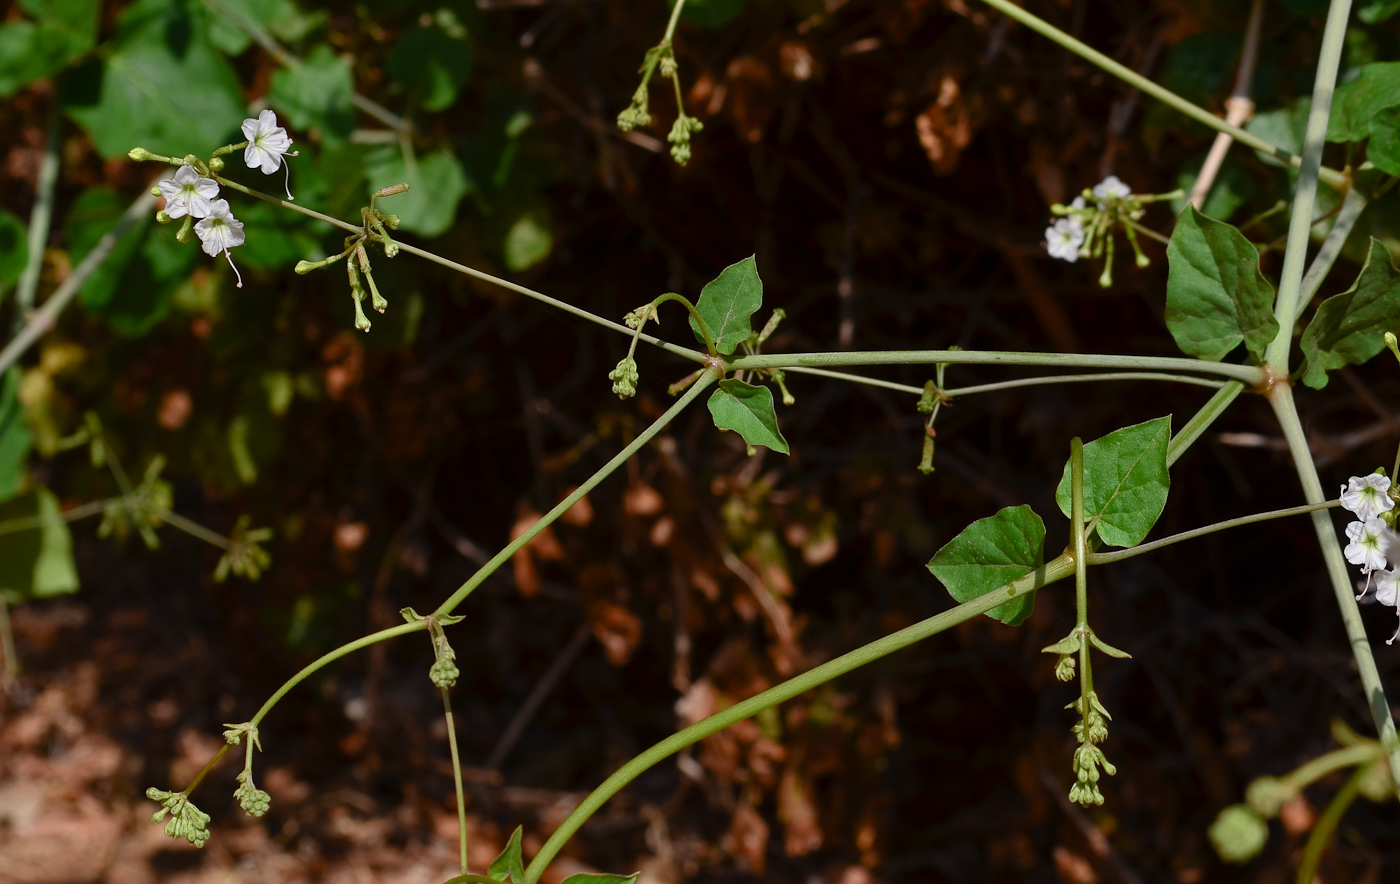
890 163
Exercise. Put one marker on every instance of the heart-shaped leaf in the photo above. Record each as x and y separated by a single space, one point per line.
1216 296
727 302
990 553
1125 481
748 410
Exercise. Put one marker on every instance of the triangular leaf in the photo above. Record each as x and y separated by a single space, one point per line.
727 302
1349 328
601 879
748 410
510 865
36 561
1216 296
1125 481
990 553
1355 103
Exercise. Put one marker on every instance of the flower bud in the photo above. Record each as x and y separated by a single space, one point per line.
216 164
305 267
392 190
162 218
140 154
1238 834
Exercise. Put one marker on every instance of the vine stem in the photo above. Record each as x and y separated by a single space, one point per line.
1281 398
1327 823
1049 573
560 508
1249 374
1098 558
456 778
40 218
1305 195
1326 256
1166 96
1018 382
675 17
43 319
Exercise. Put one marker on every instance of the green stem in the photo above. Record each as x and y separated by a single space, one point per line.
1018 382
1327 823
1166 96
1052 571
1305 195
1077 535
28 523
43 319
40 217
1322 262
675 17
194 529
1281 398
1120 555
694 314
457 778
1248 373
1333 761
548 518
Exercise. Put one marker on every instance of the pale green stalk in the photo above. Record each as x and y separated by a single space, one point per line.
29 523
43 319
1166 96
456 778
1018 382
1282 401
675 17
1327 823
1098 558
40 217
1247 373
1326 256
1305 195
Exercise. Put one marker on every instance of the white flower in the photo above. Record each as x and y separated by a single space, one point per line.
1063 239
1110 189
1366 496
219 232
1367 548
1078 203
187 193
267 142
1388 588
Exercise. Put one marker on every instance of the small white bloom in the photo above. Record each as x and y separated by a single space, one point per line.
1063 239
219 232
1366 548
187 193
1110 189
1388 588
267 142
1366 496
1078 203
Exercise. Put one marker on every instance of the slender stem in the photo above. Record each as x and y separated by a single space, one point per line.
43 319
1281 398
295 207
1120 555
28 523
1166 96
1248 373
1336 760
1077 534
1146 231
671 25
1327 823
194 529
1305 195
204 771
40 217
1057 569
1018 382
548 518
1201 420
1352 206
1238 107
330 657
694 314
456 777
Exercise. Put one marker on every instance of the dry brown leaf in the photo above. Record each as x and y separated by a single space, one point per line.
749 832
802 830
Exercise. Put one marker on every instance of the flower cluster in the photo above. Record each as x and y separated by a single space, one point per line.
1085 227
1372 541
193 195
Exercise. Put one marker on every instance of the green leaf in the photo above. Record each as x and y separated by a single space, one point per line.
601 879
1378 11
509 865
1125 481
1216 296
14 247
1283 127
315 95
748 410
162 87
990 553
29 51
1384 147
36 562
727 302
711 13
431 66
1349 328
232 39
528 242
437 184
1355 103
132 289
14 435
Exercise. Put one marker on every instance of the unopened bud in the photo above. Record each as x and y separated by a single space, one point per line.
392 190
305 267
162 218
216 164
140 155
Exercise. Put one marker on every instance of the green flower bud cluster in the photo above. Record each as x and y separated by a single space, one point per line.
638 318
1064 667
144 509
376 227
244 556
444 671
637 113
624 378
186 820
680 137
1091 730
1238 834
254 801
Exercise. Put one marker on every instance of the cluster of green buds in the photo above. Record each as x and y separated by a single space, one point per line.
244 555
1086 227
661 57
375 227
931 401
444 671
1092 727
143 508
254 801
186 820
624 378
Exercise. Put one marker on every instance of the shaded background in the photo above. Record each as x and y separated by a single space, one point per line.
890 164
